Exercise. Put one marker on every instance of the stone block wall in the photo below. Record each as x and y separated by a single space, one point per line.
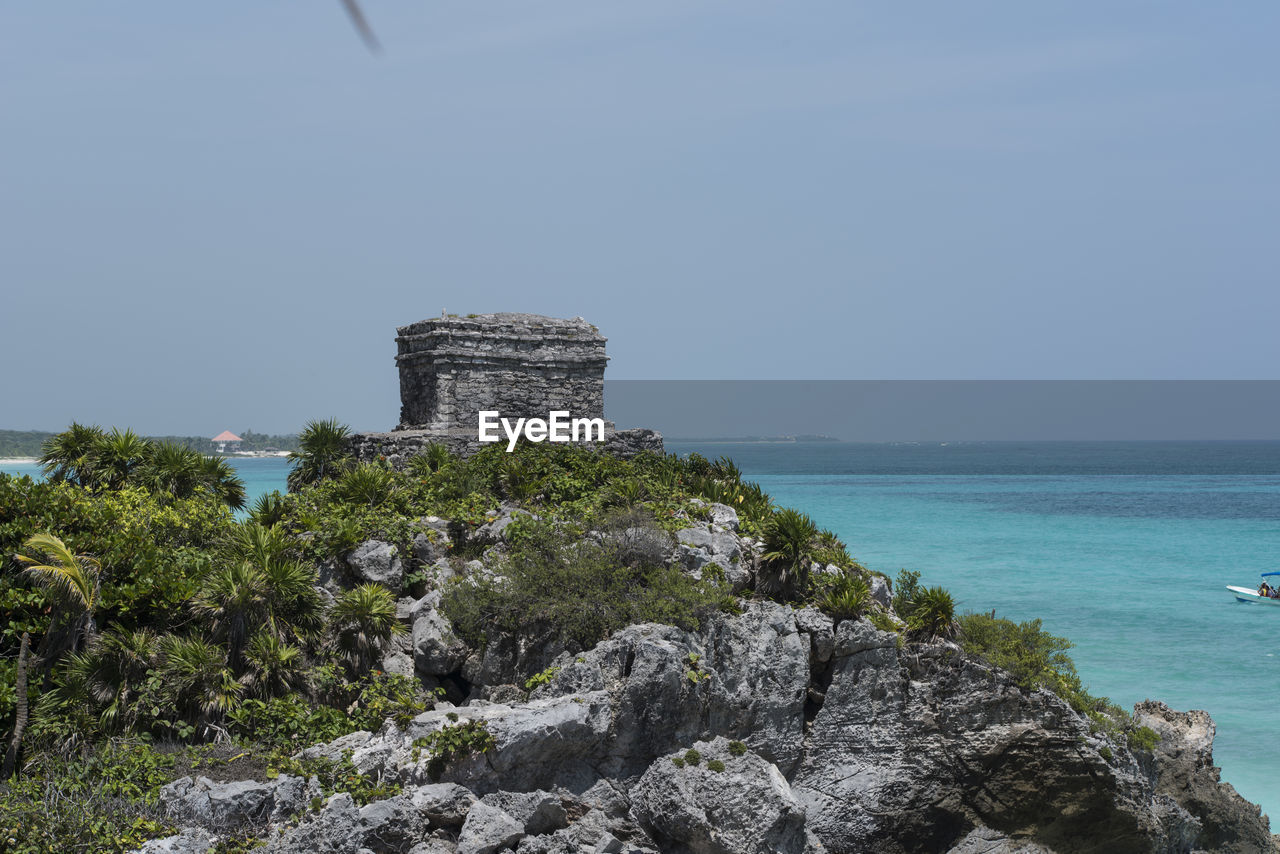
522 365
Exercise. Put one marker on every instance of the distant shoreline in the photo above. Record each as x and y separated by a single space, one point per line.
17 461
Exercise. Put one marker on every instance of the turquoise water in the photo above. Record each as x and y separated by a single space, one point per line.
1125 548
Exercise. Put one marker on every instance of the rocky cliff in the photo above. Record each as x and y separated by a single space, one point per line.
774 729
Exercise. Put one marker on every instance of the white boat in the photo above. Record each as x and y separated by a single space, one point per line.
1254 594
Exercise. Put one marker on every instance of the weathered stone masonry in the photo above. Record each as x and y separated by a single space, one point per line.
522 365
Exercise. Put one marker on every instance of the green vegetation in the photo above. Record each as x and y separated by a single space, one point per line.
156 617
30 443
452 743
1037 659
715 765
556 582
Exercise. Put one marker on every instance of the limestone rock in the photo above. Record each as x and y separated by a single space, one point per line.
723 516
488 829
219 806
911 750
746 808
984 840
377 562
193 840
443 804
391 826
539 744
437 651
1187 774
880 592
700 546
537 812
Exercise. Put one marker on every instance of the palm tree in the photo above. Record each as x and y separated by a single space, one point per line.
196 675
172 470
234 600
111 673
363 619
788 541
66 456
933 613
74 581
220 477
274 666
257 543
269 510
322 452
366 483
116 458
295 607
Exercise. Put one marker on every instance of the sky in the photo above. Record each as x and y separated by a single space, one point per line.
214 215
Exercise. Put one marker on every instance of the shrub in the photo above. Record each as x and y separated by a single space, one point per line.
333 776
715 765
789 540
905 588
678 761
933 613
539 679
288 723
692 756
454 742
737 748
1143 738
845 596
575 589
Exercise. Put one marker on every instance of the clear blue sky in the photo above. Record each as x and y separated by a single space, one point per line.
215 214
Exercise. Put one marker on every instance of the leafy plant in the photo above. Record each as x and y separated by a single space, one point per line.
362 620
692 756
845 596
788 548
933 613
737 748
539 679
715 765
453 742
322 453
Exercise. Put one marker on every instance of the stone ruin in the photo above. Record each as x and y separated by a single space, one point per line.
522 365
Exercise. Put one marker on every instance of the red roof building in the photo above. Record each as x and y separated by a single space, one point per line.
227 441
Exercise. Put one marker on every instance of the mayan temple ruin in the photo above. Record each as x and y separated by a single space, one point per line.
521 365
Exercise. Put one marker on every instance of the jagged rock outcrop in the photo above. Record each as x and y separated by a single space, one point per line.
853 742
1186 773
711 800
377 562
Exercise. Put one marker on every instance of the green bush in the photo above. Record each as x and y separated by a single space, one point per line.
737 748
692 756
933 613
715 765
105 800
845 596
1143 738
576 589
453 742
333 777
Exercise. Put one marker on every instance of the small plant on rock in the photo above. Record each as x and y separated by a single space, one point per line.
737 748
715 765
537 680
692 756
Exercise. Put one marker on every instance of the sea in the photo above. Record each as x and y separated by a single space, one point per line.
1125 548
